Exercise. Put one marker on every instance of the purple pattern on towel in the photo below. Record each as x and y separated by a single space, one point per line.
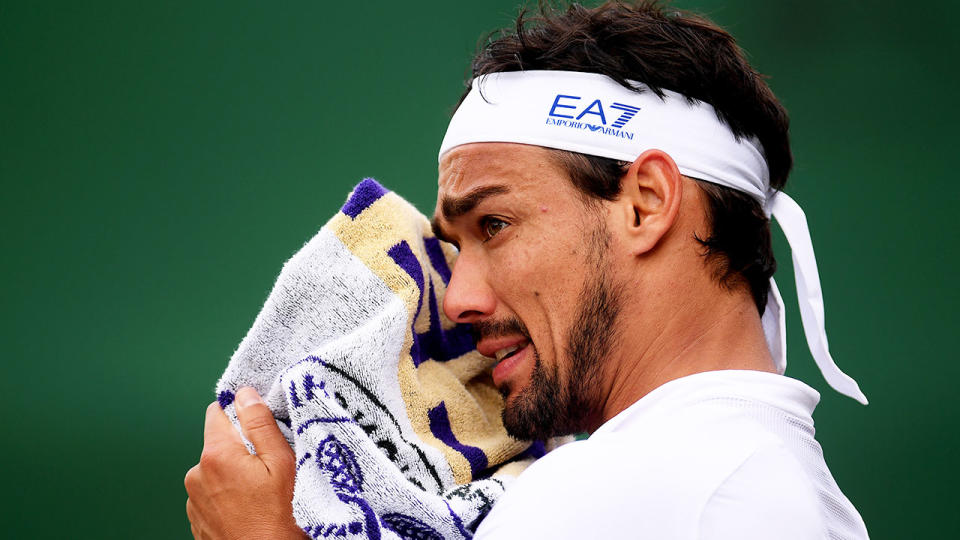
436 343
437 259
309 385
404 257
458 522
439 344
302 460
294 398
225 398
339 462
365 194
440 427
409 528
369 517
335 530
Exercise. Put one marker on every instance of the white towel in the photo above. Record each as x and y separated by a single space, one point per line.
392 413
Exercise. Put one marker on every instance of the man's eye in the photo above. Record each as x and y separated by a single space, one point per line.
491 226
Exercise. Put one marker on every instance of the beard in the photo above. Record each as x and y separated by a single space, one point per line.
554 403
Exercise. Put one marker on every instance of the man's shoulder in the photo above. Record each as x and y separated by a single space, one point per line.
602 488
769 495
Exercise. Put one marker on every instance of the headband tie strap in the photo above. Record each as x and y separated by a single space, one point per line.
593 114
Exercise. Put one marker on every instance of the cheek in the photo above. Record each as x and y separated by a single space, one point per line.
539 278
524 268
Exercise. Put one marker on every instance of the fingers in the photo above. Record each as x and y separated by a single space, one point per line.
260 427
218 431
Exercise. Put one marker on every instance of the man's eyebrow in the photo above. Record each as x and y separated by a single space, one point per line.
454 207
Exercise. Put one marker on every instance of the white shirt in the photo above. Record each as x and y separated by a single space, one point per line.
716 455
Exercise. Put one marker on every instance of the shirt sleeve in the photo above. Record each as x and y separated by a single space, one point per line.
768 496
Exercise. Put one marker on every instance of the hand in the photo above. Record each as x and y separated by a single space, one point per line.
233 494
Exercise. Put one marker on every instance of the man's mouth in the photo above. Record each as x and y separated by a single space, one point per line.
505 341
507 352
509 359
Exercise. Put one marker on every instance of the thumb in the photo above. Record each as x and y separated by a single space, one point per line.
260 427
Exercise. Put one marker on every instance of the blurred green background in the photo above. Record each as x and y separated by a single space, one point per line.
159 162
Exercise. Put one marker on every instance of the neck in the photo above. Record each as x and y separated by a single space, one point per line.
711 328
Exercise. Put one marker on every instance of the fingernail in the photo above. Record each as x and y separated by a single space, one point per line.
247 396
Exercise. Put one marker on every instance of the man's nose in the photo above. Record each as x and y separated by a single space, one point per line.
469 297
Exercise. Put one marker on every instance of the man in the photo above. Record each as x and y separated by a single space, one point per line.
607 179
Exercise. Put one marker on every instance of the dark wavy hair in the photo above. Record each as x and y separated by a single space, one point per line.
666 49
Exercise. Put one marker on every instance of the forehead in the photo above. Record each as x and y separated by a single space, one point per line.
518 168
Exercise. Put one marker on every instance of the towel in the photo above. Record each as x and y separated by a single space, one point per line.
390 410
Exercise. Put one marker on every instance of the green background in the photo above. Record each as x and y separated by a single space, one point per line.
159 163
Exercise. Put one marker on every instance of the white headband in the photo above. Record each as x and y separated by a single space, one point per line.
593 114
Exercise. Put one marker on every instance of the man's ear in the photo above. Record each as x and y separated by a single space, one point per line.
650 195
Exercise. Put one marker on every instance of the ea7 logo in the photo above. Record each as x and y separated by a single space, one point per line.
595 108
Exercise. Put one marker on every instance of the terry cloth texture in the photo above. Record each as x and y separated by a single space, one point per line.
391 411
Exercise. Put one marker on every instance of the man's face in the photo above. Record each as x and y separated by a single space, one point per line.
533 278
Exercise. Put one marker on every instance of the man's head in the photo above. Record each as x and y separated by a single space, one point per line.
561 287
562 253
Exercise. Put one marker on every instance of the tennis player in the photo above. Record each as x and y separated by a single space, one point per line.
609 179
